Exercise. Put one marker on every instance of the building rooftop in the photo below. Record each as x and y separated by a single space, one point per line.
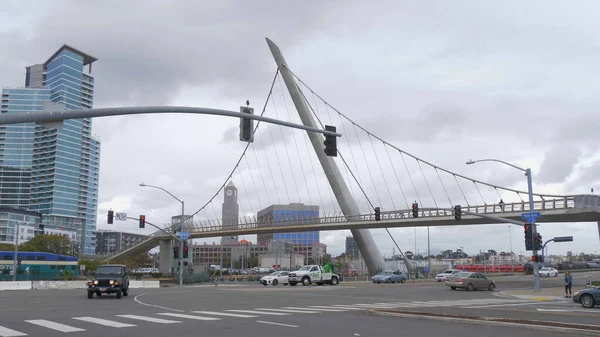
87 59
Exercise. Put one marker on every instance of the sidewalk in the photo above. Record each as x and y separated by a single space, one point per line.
545 294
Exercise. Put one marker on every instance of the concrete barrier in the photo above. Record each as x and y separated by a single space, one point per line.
43 285
18 285
144 284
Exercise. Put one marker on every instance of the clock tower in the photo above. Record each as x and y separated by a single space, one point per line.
230 209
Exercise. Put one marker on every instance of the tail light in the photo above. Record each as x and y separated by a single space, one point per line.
460 280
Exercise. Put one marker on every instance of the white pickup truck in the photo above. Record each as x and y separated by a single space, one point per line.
312 274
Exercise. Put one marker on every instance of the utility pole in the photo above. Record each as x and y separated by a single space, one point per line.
16 252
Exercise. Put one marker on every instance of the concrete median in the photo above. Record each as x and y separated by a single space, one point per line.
46 285
18 285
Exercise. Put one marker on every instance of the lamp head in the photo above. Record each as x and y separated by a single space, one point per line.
142 184
470 162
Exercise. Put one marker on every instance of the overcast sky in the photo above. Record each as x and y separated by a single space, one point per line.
447 82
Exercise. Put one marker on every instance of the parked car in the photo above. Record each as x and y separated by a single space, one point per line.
390 276
444 275
588 298
470 281
548 271
275 278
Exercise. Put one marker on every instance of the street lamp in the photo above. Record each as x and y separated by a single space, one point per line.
181 229
536 276
15 258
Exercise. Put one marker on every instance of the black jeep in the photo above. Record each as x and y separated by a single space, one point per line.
109 279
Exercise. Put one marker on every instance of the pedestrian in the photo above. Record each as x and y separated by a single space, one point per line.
501 203
568 284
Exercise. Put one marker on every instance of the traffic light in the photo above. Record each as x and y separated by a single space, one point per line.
528 229
330 142
176 252
377 214
457 212
415 210
535 258
247 125
185 251
538 241
111 216
142 221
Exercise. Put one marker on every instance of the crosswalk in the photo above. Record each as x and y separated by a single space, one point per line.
83 323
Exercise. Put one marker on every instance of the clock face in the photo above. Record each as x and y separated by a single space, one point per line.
229 192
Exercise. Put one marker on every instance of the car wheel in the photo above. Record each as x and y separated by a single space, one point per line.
334 281
587 301
491 287
306 281
90 294
403 280
126 292
556 275
470 287
453 288
119 294
389 280
275 282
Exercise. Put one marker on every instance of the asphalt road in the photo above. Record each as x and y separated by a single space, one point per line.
230 310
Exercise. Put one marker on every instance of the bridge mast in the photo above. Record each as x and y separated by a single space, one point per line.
364 240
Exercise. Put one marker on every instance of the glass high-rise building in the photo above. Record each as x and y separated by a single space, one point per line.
282 214
64 162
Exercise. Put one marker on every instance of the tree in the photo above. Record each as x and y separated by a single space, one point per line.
492 252
55 244
134 261
326 259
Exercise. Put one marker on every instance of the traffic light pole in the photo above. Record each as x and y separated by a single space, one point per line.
536 266
16 253
181 229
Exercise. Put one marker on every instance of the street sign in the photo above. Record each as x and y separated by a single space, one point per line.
531 215
121 216
183 235
563 239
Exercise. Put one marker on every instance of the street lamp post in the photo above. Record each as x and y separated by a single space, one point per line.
181 229
16 252
536 276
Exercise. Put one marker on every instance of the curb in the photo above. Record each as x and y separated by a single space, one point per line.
491 321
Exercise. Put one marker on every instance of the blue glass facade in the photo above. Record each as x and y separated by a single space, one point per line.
16 146
64 164
284 213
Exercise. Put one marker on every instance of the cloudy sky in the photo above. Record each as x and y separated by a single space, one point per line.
445 82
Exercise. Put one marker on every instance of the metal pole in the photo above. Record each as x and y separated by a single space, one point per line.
512 259
16 253
181 229
363 237
536 275
428 254
221 261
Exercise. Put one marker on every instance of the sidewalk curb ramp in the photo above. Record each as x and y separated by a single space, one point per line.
582 329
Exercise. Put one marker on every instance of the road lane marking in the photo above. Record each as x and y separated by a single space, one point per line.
104 322
290 311
329 307
301 308
259 312
223 314
6 332
149 319
153 305
54 325
280 324
200 318
501 305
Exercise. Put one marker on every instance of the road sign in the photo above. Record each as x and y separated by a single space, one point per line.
121 216
530 217
183 235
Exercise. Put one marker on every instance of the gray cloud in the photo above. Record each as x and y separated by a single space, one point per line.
418 76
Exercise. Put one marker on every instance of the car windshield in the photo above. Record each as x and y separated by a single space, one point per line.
545 268
108 270
305 268
461 274
274 274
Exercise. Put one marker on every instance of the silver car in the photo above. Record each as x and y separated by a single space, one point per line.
390 276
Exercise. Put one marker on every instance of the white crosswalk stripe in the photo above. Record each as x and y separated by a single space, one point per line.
53 325
259 312
104 322
200 318
223 314
150 319
331 309
6 332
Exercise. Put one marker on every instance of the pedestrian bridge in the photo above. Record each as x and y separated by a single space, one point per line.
567 209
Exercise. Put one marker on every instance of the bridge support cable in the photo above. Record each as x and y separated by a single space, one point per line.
296 144
461 190
253 183
443 186
419 159
481 195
